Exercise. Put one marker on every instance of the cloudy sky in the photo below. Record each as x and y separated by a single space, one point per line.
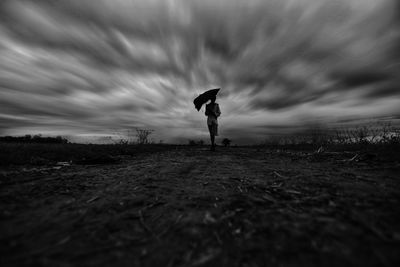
100 67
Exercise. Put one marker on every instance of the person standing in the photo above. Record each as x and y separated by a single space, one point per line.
212 112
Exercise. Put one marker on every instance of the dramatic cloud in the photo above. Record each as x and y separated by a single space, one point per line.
97 67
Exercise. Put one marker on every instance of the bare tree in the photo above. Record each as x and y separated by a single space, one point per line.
142 136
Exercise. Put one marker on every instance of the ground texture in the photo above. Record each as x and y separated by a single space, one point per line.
192 207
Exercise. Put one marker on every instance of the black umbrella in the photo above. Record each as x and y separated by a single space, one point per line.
204 97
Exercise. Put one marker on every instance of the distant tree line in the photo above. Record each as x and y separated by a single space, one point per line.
33 139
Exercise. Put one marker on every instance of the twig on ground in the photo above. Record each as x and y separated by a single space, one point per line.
92 199
280 175
353 158
141 219
170 226
293 192
218 238
267 196
153 204
350 160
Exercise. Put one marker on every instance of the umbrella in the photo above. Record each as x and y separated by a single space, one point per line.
204 97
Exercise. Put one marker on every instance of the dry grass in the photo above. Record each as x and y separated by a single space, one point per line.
366 136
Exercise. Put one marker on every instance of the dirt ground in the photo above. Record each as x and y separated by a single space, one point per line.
191 207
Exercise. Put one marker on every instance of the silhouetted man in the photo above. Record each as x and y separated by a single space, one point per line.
212 112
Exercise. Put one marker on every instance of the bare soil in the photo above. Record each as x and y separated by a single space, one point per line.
193 207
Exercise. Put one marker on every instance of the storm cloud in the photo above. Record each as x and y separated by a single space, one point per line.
99 66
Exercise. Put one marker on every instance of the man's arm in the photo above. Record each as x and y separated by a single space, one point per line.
207 112
217 111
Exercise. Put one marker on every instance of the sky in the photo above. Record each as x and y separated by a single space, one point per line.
97 68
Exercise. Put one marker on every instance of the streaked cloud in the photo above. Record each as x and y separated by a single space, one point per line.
99 66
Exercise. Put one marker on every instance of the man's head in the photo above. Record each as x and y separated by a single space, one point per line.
213 98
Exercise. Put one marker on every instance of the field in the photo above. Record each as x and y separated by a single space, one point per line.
160 205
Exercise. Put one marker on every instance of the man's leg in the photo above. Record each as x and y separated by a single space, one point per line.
212 138
214 129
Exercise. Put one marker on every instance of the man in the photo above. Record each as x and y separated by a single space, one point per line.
212 113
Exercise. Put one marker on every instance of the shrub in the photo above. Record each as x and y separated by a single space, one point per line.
226 142
192 143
